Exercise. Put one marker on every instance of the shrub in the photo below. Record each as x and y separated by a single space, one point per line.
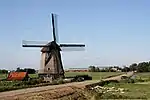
140 80
79 79
60 81
113 95
86 77
131 81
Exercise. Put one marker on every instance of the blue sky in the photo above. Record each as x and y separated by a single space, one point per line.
116 32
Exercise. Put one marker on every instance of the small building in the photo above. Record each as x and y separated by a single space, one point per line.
17 76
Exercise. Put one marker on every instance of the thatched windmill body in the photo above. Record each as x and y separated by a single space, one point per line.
51 63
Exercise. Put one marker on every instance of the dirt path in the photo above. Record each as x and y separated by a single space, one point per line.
129 74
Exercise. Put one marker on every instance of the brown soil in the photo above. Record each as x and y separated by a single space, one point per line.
65 93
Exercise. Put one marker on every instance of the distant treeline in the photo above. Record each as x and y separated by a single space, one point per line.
140 67
107 69
3 71
29 70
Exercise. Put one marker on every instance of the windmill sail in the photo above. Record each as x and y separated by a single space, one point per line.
26 43
54 27
72 47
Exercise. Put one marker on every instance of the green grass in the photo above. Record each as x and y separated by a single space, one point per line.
33 75
13 85
135 90
3 76
95 75
144 76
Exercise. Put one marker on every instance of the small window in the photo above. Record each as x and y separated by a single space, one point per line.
48 68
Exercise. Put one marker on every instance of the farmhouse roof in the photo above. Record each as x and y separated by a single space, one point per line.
17 76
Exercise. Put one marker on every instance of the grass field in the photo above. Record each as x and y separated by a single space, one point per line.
145 76
135 90
95 75
11 85
2 76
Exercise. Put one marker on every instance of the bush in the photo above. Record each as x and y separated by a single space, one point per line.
86 77
140 80
60 81
79 79
131 81
98 96
113 96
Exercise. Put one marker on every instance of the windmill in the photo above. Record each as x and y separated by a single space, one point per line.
51 63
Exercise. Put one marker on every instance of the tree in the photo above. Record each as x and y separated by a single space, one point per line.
3 71
125 69
143 67
30 71
133 67
97 69
19 70
92 68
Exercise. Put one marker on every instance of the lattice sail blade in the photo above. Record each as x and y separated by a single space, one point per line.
72 47
26 43
55 28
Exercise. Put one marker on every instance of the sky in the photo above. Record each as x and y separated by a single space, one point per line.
115 32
